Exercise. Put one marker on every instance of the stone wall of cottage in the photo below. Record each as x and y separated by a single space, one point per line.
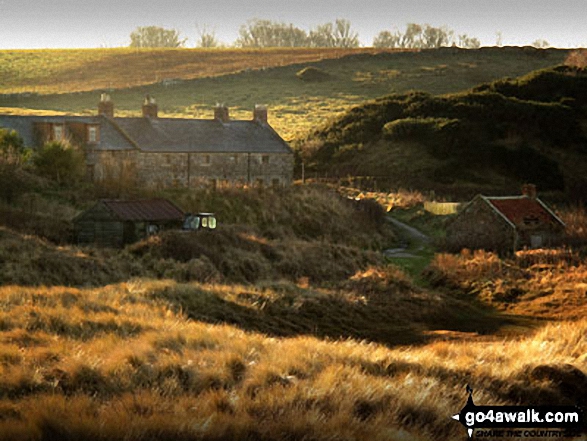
478 226
163 170
112 165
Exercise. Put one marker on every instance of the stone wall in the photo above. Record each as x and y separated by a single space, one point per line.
478 226
112 165
163 170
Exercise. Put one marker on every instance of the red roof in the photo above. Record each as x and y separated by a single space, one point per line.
144 210
517 209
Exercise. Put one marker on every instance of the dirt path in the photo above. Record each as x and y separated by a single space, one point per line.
413 242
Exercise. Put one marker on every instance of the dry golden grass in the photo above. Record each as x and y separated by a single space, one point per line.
575 219
402 198
549 284
119 362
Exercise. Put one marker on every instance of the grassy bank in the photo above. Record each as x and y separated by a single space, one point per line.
125 361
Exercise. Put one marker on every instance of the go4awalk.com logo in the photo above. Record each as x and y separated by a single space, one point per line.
543 420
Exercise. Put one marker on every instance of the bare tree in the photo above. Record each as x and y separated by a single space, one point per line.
412 38
344 36
467 42
266 33
154 36
322 36
540 44
206 38
387 39
337 34
418 36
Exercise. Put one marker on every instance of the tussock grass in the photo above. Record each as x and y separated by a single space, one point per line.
535 283
575 219
293 233
180 378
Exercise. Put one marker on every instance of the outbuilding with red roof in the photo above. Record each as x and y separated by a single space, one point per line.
505 223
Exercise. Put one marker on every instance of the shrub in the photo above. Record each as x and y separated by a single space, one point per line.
13 183
12 149
61 162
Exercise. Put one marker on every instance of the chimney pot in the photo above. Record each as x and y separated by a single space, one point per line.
529 190
106 106
260 113
150 107
221 113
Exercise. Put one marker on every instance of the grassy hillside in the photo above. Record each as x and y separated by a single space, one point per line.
241 79
126 361
283 324
491 138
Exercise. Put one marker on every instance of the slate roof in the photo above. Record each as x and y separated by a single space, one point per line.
111 137
206 136
144 210
515 209
172 135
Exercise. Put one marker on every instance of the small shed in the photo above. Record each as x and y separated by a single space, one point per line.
116 222
505 224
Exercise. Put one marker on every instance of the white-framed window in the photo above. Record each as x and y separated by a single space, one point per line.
92 134
58 132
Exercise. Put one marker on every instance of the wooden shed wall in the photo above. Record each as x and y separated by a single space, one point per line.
98 225
106 233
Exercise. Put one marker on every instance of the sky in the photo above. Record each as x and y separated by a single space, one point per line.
32 24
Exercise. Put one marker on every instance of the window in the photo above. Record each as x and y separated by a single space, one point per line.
531 220
265 159
206 159
58 132
233 159
204 222
92 134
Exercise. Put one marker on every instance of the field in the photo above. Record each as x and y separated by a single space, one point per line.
78 70
184 84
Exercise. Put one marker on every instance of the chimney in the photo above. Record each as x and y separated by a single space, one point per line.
106 106
260 113
221 113
529 190
149 107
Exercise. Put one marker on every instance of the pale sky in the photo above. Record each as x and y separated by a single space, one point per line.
31 24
